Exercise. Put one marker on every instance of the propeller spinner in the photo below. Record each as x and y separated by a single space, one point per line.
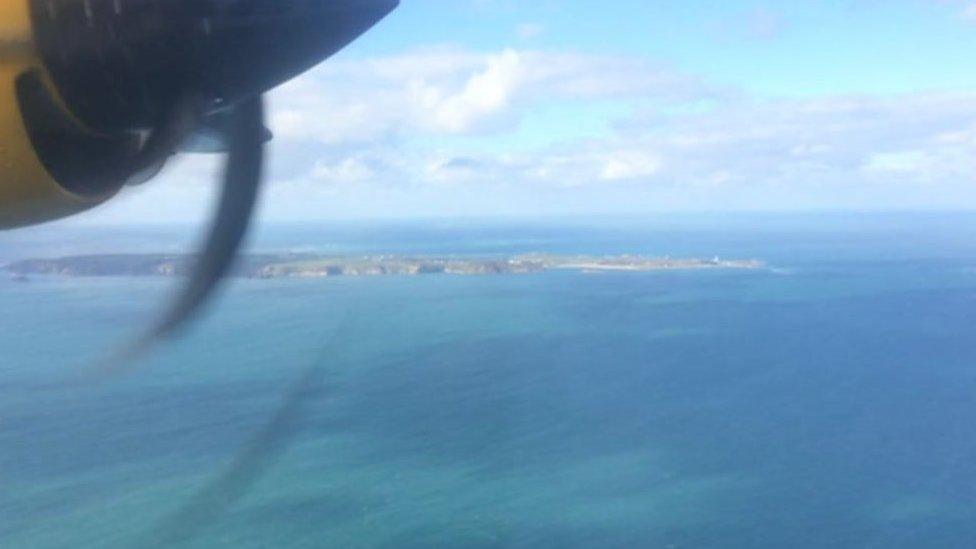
140 77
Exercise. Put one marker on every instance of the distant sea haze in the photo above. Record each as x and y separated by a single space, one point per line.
822 401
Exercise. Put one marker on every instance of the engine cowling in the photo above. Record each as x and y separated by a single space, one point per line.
92 81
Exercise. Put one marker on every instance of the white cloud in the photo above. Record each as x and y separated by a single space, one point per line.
355 169
903 162
455 92
822 142
630 165
485 94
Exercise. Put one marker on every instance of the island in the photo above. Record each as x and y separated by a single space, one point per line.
321 266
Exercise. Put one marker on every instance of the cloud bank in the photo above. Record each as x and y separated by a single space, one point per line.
681 131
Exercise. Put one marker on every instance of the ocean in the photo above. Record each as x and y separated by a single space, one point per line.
826 401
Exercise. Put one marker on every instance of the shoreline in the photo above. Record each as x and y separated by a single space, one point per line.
266 266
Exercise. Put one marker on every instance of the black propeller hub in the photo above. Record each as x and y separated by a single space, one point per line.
123 64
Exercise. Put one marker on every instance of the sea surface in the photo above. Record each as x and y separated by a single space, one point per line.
827 401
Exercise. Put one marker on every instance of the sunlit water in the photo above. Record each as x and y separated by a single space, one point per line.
827 401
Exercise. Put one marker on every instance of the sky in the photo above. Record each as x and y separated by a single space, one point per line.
508 108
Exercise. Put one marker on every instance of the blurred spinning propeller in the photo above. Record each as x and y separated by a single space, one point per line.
126 84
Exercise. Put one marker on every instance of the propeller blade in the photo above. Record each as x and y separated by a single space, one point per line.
242 181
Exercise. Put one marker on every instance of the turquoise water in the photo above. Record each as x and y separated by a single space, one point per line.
827 401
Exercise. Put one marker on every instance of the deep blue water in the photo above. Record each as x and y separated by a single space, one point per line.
826 402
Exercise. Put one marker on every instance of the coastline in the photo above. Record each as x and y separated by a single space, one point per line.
311 266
